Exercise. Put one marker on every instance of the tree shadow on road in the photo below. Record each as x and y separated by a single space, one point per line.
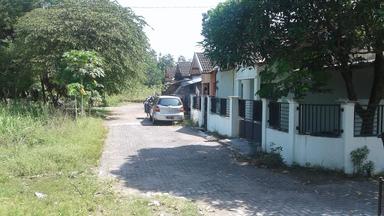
207 172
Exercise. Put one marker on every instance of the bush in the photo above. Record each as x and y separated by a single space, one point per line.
272 159
359 158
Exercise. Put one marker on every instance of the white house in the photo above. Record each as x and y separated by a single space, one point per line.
319 130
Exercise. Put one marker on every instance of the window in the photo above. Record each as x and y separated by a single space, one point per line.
169 102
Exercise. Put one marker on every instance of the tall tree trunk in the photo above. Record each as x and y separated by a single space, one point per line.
43 90
368 114
375 97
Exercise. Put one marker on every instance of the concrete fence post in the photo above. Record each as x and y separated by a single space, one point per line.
347 125
264 124
191 104
202 106
234 115
209 123
292 123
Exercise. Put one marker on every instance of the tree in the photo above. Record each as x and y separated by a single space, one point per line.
166 62
298 41
181 59
153 72
111 30
84 68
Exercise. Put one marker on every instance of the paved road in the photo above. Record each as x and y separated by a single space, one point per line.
176 160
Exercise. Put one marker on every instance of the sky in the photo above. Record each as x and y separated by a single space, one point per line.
174 25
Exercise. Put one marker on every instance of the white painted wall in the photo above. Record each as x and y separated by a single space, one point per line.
196 116
319 151
219 124
225 83
275 138
376 152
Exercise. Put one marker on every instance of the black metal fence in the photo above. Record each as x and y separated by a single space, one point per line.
251 109
374 124
278 116
220 106
320 120
196 103
250 113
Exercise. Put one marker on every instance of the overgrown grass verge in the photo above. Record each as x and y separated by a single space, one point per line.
48 167
136 94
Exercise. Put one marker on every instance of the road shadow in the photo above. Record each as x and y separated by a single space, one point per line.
208 173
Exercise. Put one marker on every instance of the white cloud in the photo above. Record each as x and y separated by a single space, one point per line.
175 25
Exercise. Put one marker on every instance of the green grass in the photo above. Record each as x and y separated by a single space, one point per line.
137 94
42 151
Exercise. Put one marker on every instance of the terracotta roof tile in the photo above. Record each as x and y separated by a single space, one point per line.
205 62
183 68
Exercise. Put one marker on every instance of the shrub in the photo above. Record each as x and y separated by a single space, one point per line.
359 158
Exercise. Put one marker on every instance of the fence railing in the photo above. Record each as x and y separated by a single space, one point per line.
278 116
220 106
373 125
196 103
251 109
320 120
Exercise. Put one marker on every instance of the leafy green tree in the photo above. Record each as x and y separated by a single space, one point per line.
115 32
84 67
153 72
166 61
298 41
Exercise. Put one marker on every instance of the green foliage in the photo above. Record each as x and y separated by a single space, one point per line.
306 37
154 75
42 151
165 62
111 30
272 159
359 159
137 93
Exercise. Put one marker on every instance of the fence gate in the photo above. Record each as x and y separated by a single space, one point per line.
250 113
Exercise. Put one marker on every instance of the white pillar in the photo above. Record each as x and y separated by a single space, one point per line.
293 121
264 124
209 123
234 115
201 117
191 103
347 124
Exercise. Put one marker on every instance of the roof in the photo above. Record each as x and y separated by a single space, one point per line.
182 68
170 73
205 63
192 81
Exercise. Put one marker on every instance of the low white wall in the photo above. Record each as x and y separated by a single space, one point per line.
196 116
219 124
319 151
275 138
376 152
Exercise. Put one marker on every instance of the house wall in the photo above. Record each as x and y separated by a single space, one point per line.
212 84
247 83
205 78
225 84
362 78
